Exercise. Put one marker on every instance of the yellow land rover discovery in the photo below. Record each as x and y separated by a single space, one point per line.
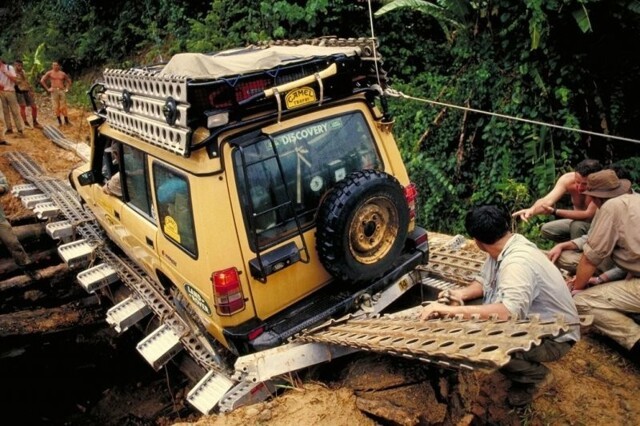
262 186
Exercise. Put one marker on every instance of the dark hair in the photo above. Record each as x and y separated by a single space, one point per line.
620 170
586 167
17 61
487 224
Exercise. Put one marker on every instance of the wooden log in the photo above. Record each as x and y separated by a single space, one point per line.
52 274
8 265
51 320
34 231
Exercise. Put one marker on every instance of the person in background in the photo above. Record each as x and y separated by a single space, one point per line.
24 93
9 239
58 83
8 97
570 223
517 280
615 232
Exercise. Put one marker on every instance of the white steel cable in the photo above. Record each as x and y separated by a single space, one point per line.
398 94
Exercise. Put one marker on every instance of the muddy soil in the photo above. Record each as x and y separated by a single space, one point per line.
87 375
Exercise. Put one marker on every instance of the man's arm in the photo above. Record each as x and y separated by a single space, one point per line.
43 80
438 310
548 200
573 214
585 270
472 291
557 250
10 75
68 80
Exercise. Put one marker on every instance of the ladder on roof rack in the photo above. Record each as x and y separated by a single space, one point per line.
259 266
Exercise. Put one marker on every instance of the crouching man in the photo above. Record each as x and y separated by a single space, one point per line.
615 232
517 280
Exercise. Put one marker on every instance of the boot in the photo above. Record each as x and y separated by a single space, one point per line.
36 124
59 121
66 121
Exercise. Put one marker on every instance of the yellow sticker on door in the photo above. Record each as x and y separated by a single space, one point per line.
300 97
171 228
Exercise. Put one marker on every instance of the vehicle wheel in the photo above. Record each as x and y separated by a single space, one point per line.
361 226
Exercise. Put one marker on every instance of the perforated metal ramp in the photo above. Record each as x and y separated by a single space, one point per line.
24 190
159 346
127 313
46 210
30 201
206 394
77 253
97 277
60 230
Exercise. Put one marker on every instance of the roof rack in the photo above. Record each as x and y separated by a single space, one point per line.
165 105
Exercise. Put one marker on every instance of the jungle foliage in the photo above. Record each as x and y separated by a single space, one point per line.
566 62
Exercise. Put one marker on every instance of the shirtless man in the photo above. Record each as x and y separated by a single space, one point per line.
59 84
571 223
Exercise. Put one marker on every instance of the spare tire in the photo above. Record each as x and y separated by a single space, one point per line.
361 226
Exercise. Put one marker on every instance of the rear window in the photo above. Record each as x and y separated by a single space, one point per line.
312 158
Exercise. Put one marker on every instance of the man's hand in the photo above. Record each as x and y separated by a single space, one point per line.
548 209
555 253
524 214
436 310
451 297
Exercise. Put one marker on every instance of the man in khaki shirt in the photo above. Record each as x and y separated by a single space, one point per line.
614 232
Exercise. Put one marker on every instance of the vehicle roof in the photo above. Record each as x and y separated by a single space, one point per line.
245 60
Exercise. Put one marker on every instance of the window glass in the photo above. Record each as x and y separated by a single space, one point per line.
136 184
313 158
174 207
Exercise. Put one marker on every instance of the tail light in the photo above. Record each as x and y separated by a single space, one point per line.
411 195
227 291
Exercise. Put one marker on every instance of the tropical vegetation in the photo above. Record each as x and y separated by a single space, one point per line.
569 63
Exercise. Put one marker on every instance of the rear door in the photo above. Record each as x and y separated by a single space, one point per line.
272 191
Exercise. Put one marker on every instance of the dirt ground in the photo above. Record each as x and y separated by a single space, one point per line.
594 384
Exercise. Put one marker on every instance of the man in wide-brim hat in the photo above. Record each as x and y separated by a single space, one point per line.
615 232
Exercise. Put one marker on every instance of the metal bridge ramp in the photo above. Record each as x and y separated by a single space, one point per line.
46 210
97 277
160 346
30 201
127 313
77 253
206 394
25 189
60 230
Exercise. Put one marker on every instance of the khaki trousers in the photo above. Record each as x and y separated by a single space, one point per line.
608 304
11 109
564 229
59 99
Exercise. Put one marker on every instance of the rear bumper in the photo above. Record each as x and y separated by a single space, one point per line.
336 299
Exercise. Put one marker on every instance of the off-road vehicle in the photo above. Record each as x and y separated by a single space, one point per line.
260 190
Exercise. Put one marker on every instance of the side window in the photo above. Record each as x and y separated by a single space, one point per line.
174 207
135 181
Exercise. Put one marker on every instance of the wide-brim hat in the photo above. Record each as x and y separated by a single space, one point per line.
605 184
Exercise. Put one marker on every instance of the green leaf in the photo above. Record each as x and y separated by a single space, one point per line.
582 19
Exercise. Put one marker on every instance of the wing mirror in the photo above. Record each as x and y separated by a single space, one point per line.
87 178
